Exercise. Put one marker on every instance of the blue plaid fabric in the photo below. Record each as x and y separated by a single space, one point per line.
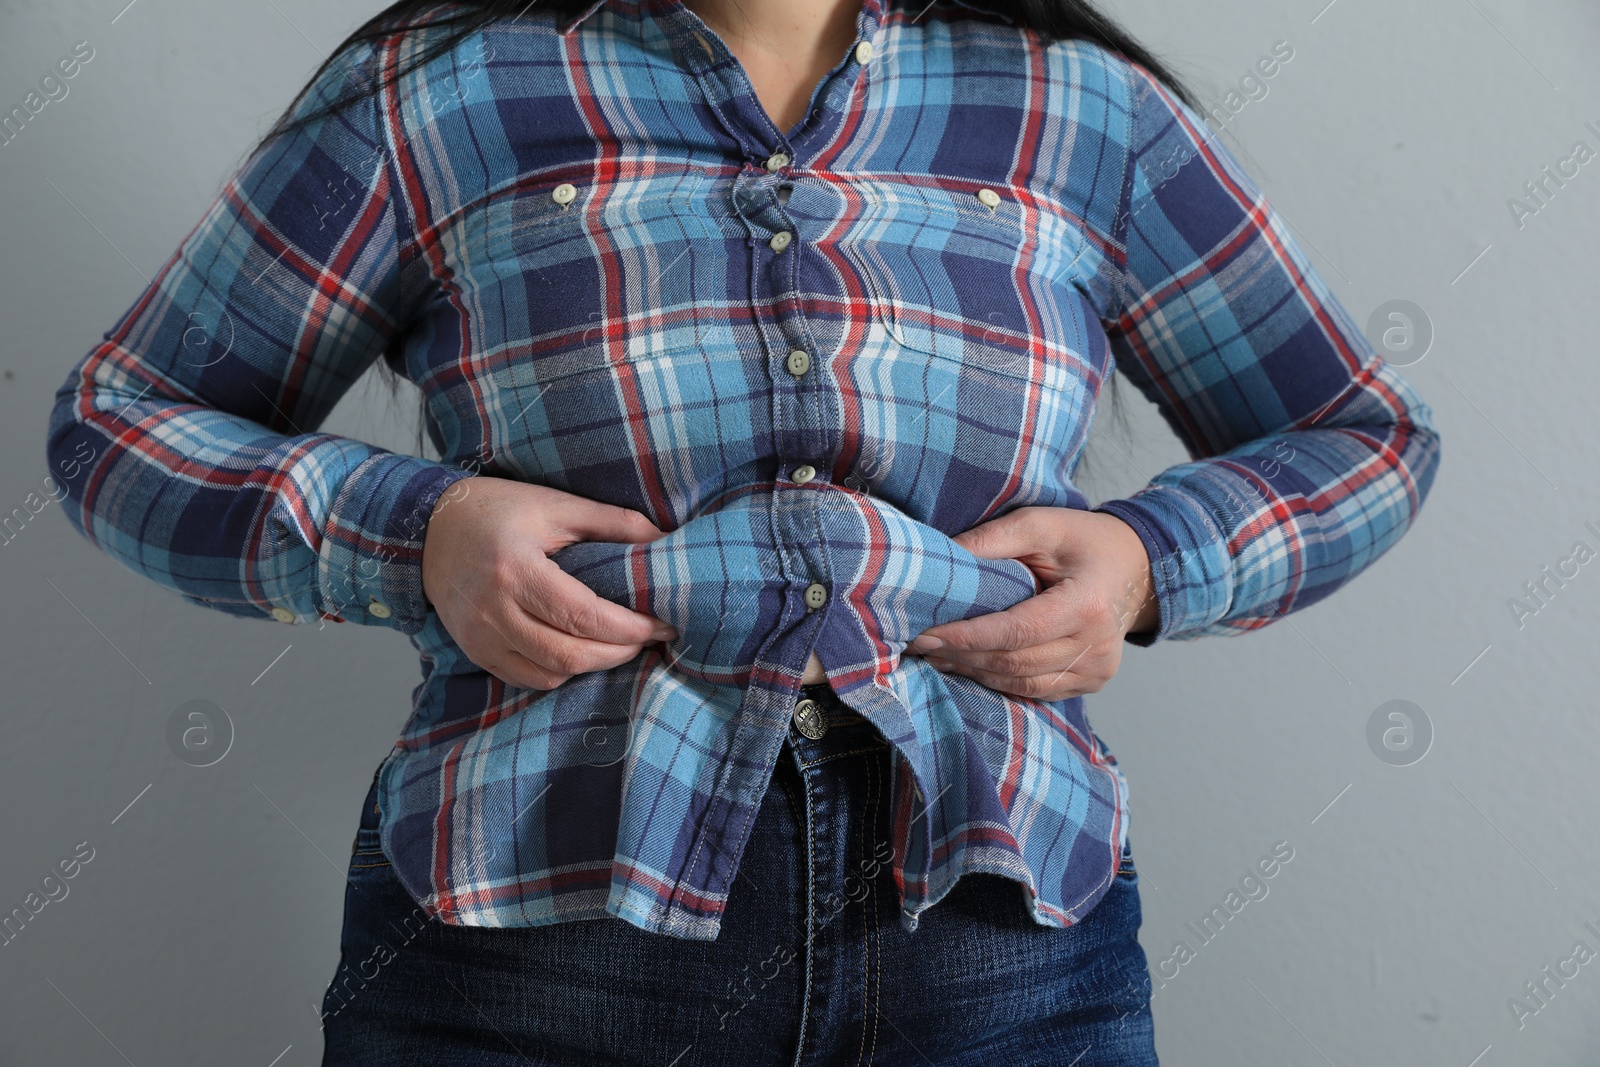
610 273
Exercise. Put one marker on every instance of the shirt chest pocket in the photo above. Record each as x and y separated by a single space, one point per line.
951 273
597 276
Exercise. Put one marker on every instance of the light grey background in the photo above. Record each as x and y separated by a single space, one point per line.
206 926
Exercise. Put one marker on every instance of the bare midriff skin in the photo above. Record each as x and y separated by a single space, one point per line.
785 49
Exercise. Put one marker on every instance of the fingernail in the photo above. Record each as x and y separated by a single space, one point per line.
664 633
939 664
927 643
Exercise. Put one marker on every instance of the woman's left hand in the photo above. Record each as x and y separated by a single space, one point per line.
1067 640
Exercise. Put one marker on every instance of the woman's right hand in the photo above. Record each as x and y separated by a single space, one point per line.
486 570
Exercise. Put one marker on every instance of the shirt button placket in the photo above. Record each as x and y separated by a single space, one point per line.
797 433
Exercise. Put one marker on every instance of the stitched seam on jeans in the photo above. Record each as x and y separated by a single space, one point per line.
794 806
838 755
869 828
865 822
811 909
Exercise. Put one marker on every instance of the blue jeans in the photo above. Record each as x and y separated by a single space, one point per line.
811 965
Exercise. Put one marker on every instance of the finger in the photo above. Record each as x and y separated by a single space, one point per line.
1064 653
549 648
1057 685
1049 615
595 520
1013 535
562 653
516 643
513 668
556 597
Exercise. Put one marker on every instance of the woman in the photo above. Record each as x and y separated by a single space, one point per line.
759 340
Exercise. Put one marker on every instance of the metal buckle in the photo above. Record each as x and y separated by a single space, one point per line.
808 718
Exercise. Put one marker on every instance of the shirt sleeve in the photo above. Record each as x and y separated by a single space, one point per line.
185 439
1310 456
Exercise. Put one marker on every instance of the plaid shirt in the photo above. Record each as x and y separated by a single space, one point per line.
611 274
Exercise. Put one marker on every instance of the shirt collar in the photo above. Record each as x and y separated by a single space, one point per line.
986 10
874 7
572 23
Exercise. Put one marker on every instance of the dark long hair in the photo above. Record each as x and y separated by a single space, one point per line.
1052 20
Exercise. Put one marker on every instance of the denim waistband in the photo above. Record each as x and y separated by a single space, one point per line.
825 727
836 711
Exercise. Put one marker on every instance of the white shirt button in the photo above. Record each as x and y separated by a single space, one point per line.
864 53
283 614
803 473
379 609
989 198
816 595
777 161
799 362
564 194
780 240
